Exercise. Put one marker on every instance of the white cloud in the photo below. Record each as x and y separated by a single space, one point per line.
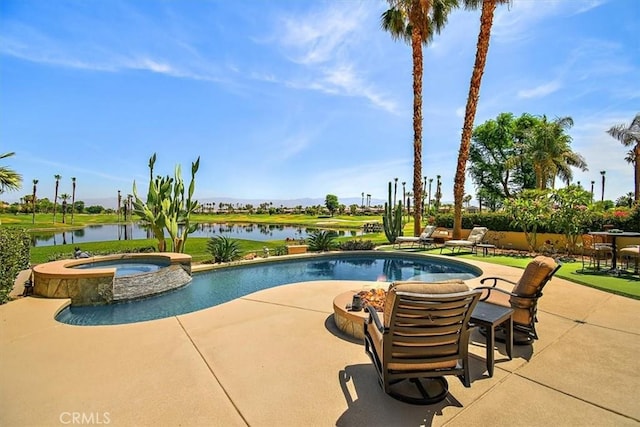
326 44
540 91
370 178
292 146
519 21
321 36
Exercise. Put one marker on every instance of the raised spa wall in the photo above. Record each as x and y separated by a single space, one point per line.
98 286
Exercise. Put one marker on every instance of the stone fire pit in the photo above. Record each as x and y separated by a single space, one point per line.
352 322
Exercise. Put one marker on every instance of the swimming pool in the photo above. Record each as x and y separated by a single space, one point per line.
218 286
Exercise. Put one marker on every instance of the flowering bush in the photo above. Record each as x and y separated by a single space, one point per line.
528 211
570 213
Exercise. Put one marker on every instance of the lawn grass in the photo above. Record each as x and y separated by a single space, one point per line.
628 286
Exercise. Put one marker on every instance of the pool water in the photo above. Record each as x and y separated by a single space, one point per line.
125 267
222 285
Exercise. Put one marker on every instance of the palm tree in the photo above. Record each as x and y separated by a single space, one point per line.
9 179
486 22
55 197
415 21
438 194
64 197
628 136
73 197
548 149
119 204
33 202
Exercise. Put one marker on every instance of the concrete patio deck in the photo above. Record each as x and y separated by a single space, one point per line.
275 358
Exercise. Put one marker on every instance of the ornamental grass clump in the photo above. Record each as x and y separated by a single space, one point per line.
223 249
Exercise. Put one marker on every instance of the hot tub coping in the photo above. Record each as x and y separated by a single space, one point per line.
64 268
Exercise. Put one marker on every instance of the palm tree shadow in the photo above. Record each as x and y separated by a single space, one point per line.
369 405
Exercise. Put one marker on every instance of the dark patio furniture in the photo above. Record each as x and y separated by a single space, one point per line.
523 297
423 336
424 240
629 255
475 237
614 235
593 253
490 317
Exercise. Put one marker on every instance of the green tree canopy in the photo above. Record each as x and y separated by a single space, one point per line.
331 202
494 143
548 147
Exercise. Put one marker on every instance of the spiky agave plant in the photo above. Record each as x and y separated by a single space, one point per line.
223 249
322 240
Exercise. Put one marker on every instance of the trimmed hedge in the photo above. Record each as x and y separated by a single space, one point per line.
14 257
498 221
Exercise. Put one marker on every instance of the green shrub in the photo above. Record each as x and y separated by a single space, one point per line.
280 250
223 249
357 245
14 257
621 218
498 221
322 240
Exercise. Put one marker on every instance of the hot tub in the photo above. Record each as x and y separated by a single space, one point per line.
112 278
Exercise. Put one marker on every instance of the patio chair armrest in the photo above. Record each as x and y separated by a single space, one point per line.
373 318
495 280
490 289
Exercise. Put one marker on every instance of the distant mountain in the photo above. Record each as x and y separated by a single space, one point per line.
287 203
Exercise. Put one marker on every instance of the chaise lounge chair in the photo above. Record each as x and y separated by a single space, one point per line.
523 297
422 240
475 237
424 335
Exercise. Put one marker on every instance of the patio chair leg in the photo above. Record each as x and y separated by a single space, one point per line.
430 390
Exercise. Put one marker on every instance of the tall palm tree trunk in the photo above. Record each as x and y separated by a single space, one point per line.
33 202
416 47
55 197
73 198
486 21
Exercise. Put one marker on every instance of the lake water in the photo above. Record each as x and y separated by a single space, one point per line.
133 231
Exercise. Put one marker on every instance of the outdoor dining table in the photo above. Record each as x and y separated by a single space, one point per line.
614 235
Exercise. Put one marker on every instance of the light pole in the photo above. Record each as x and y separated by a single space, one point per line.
602 173
430 182
424 195
592 182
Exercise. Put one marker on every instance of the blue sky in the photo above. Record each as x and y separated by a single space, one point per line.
290 99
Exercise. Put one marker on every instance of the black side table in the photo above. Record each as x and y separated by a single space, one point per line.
490 316
485 248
